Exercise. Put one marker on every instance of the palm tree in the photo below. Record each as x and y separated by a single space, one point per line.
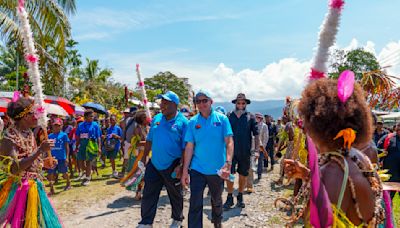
95 83
51 30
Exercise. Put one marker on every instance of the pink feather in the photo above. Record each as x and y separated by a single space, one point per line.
315 74
345 85
337 4
31 58
21 5
16 96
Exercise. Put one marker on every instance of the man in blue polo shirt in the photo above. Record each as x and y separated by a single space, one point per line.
209 149
88 143
166 141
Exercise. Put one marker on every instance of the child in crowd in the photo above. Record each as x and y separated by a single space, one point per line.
61 152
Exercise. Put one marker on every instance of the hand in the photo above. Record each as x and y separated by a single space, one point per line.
185 179
294 169
256 155
226 171
178 171
46 145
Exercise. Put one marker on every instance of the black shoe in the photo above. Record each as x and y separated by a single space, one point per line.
259 177
240 202
229 203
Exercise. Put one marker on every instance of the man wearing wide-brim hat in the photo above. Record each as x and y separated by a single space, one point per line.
244 127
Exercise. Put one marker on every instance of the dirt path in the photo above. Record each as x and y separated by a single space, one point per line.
106 204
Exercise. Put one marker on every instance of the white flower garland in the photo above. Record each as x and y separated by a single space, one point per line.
33 68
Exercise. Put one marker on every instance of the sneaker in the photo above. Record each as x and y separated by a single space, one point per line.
86 182
176 224
115 174
240 202
80 177
145 226
229 203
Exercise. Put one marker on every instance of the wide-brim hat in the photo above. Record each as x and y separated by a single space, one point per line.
241 96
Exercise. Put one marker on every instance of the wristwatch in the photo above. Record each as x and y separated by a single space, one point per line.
229 162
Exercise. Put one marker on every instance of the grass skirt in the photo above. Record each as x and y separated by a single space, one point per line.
24 203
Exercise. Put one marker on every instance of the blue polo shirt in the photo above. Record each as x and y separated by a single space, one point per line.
167 137
58 150
114 130
208 136
86 131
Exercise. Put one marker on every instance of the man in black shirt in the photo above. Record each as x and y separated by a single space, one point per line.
379 131
271 141
244 126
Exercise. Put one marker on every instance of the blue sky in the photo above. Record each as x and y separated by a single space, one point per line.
220 43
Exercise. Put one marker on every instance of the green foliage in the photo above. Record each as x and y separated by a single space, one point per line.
8 69
165 81
359 61
92 81
51 30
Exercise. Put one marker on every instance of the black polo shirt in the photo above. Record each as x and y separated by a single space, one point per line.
243 128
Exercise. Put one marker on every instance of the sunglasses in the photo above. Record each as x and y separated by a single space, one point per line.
241 103
204 101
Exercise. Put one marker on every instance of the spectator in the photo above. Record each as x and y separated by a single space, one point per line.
166 141
392 160
105 124
272 130
244 126
264 138
61 152
379 131
88 141
112 143
209 148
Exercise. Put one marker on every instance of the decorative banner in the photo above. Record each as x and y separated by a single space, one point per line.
33 69
326 39
143 91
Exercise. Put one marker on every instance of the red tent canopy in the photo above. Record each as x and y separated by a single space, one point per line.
64 103
4 103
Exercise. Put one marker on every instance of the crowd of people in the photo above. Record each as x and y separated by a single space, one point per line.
181 150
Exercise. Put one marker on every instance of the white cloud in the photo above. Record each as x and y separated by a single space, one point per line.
276 80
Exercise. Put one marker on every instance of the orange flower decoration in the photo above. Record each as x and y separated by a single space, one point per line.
349 136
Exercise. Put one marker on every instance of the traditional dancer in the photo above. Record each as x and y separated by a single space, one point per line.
23 200
132 181
335 121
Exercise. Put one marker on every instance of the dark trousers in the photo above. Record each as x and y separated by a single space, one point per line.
154 180
198 182
260 165
270 150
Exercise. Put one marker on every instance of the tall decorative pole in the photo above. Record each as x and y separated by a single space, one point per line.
143 92
33 72
327 37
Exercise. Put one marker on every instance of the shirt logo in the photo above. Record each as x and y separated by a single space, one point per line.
217 124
